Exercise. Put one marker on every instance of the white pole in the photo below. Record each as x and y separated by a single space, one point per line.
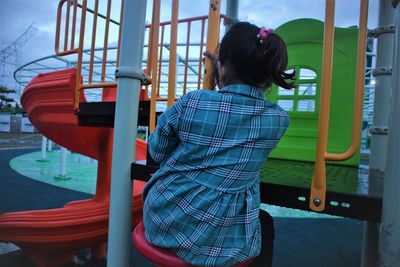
383 84
63 162
389 239
125 130
63 165
50 146
43 151
232 8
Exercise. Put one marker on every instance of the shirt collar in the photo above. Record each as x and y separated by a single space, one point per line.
243 89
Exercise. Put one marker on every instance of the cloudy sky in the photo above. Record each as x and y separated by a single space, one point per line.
17 15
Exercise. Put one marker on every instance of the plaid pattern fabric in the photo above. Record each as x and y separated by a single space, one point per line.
203 202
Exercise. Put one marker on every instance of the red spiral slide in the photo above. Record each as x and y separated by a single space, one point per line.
51 237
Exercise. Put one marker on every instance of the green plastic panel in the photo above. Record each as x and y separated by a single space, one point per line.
304 39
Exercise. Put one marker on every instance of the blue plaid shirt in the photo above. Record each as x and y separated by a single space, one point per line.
203 202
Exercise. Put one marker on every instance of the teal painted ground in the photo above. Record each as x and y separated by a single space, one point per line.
82 172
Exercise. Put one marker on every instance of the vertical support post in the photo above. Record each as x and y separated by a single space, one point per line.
383 84
318 189
212 40
125 129
232 8
172 72
153 61
78 85
384 59
43 157
389 238
50 146
63 162
63 165
44 142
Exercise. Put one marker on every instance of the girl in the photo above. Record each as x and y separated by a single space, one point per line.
204 201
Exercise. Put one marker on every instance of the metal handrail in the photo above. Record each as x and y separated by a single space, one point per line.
70 48
318 184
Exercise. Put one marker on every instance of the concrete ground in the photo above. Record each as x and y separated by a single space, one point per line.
10 140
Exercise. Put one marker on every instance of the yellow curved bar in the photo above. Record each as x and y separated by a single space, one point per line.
359 92
212 40
172 53
318 184
154 60
58 26
318 187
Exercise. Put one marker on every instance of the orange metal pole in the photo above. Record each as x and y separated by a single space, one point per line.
105 46
318 186
154 61
74 24
173 54
80 55
187 58
203 22
148 66
161 56
212 40
96 9
67 25
359 92
58 27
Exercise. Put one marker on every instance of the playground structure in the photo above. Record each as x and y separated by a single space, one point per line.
48 97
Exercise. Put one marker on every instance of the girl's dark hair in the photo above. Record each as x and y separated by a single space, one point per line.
253 62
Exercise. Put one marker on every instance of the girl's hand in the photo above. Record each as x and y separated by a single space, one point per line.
213 57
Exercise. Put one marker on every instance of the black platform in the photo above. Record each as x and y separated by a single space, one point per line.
101 114
351 192
349 189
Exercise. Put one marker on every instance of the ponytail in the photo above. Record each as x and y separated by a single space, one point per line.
255 56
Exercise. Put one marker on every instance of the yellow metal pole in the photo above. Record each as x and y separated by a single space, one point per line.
80 55
105 45
74 24
212 40
172 53
67 26
155 25
359 91
93 46
318 185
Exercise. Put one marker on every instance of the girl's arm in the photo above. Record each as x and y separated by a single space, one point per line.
164 139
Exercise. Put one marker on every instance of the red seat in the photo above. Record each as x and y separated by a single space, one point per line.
161 256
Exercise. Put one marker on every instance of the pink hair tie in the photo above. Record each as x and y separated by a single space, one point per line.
263 34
